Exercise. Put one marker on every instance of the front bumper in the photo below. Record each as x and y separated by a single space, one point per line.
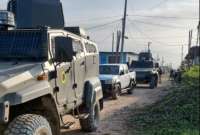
143 77
107 88
4 112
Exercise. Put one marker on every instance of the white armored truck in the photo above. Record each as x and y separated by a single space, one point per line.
45 74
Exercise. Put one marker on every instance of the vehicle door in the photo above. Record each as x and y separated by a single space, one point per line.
92 60
64 79
127 77
79 64
122 77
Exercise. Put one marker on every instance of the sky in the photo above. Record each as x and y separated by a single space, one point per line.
164 23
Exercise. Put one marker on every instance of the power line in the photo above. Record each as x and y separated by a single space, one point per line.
160 25
163 17
113 27
109 36
95 19
104 39
149 38
159 4
102 25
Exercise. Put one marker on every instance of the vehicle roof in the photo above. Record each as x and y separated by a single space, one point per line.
49 30
71 34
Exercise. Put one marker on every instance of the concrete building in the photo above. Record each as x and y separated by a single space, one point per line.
109 57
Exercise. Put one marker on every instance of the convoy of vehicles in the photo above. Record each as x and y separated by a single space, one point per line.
115 78
147 70
47 73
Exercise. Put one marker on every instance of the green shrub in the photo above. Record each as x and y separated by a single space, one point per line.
176 114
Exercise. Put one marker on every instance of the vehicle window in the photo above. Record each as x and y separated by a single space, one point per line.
109 70
78 48
53 46
90 48
142 64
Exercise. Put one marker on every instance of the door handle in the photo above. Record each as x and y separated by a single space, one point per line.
74 86
68 70
82 63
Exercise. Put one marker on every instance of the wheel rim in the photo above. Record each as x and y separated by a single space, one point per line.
118 91
132 84
43 131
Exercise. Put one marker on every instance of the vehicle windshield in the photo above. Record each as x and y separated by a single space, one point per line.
22 46
142 64
109 70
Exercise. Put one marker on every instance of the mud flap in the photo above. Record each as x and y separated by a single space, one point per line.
4 112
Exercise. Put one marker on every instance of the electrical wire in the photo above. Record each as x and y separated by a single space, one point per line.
159 4
110 34
102 25
159 25
163 17
149 38
95 19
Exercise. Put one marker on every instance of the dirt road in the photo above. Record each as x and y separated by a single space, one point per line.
116 112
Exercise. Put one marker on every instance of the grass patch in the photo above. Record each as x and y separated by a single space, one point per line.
176 114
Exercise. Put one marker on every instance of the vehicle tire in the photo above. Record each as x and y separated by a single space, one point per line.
29 124
152 83
2 128
116 92
131 87
156 82
91 123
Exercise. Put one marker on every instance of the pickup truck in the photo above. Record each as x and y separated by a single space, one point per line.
115 78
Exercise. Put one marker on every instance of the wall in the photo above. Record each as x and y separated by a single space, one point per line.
127 57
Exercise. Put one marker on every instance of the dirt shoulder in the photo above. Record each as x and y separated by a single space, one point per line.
117 112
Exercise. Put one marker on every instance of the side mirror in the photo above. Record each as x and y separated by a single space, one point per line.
121 72
131 70
63 49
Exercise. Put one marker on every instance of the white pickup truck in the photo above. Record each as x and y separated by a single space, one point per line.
115 78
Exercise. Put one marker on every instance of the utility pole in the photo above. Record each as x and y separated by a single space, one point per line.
149 44
189 46
123 30
113 42
189 41
117 60
182 53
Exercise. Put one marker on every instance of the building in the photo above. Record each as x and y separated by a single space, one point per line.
110 57
194 55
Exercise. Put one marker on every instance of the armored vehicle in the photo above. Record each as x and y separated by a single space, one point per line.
115 78
146 70
45 74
